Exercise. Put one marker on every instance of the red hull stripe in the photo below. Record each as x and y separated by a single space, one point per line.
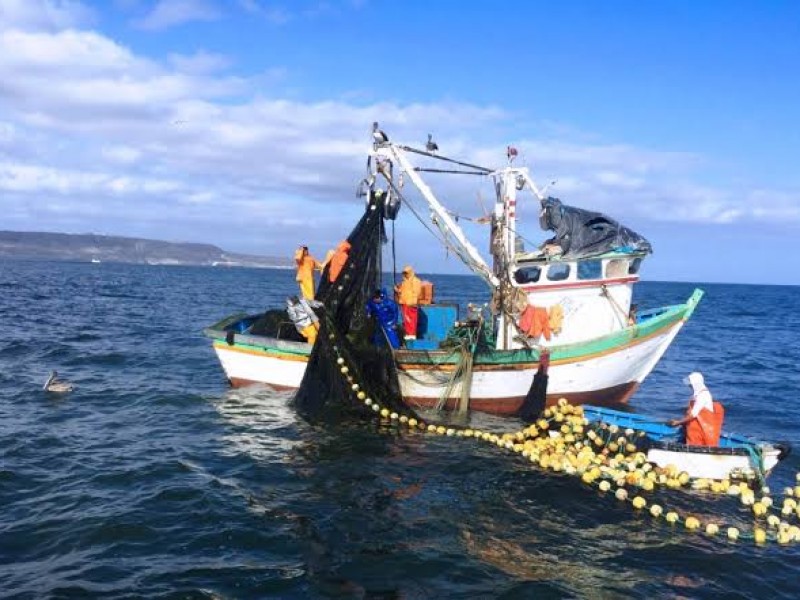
577 284
238 383
613 396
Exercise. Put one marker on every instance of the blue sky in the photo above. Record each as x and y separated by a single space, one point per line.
244 123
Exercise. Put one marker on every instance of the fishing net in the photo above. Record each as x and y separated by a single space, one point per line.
276 323
325 392
343 360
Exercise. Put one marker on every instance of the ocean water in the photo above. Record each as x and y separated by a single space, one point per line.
153 479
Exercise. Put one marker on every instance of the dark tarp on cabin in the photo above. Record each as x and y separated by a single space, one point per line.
582 232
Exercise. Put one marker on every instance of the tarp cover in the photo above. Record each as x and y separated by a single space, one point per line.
582 232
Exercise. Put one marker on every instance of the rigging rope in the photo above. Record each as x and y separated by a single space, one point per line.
394 259
457 374
445 159
443 238
604 292
449 171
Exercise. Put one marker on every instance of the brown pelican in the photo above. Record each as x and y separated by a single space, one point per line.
56 386
378 136
431 146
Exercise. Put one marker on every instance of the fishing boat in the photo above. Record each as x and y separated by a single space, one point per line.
571 298
736 457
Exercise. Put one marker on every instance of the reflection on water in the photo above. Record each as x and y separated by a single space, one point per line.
153 479
262 422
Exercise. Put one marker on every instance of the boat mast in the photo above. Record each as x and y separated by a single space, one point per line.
503 241
509 181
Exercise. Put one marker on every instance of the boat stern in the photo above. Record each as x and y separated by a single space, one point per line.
248 359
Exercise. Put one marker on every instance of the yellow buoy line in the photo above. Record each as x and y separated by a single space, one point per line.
609 459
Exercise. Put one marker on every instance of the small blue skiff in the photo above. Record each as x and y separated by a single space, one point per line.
736 457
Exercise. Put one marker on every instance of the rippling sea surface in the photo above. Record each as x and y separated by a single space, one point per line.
153 479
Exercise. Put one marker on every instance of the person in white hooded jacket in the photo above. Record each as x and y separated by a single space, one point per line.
701 399
703 418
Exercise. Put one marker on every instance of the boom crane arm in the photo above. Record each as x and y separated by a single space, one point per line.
466 251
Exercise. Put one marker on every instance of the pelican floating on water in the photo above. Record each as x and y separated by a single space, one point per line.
54 385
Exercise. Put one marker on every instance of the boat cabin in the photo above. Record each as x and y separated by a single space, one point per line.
592 295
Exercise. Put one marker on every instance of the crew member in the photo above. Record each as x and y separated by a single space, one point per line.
703 420
384 310
408 292
338 260
303 317
305 271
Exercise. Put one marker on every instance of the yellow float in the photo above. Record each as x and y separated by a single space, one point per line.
602 458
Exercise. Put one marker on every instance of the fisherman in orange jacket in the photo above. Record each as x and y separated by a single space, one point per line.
305 271
338 260
703 420
408 292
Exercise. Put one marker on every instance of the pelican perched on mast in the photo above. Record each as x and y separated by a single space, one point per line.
378 135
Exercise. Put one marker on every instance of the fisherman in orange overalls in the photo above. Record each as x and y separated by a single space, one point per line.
408 292
336 261
703 420
305 271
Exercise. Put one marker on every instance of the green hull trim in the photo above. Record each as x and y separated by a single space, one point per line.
661 320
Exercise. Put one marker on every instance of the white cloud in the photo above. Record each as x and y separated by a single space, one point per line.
92 133
169 13
773 205
43 14
619 180
199 63
121 154
7 133
80 53
18 177
277 15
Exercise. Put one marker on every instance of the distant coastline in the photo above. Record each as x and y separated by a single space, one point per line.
89 247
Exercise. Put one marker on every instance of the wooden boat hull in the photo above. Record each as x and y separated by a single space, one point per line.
702 462
608 377
606 370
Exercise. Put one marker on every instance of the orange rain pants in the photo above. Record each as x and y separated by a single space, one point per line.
706 427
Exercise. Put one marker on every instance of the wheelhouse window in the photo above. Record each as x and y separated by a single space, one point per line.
558 272
633 268
617 267
590 269
527 274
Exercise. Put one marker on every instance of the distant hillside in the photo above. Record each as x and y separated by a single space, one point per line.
107 248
